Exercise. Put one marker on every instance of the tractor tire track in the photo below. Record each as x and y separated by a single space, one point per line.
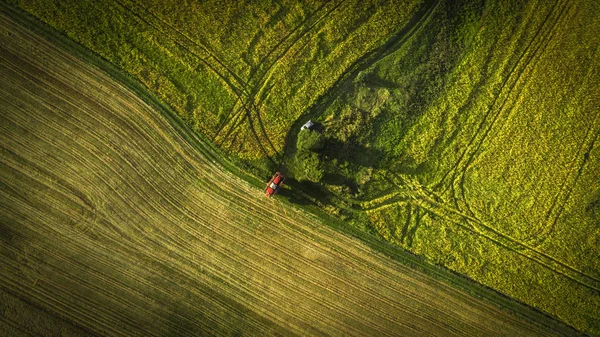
419 196
241 92
529 62
552 216
251 101
255 69
394 43
560 199
261 86
239 89
468 152
189 44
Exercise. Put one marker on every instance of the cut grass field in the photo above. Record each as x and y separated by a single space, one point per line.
114 223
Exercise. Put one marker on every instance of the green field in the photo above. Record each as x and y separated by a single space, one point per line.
475 144
462 131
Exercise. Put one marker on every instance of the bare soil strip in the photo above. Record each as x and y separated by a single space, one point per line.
112 222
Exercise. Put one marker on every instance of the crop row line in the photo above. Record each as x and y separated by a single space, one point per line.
98 287
46 221
41 293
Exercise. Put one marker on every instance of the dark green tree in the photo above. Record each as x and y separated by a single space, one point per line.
308 166
309 140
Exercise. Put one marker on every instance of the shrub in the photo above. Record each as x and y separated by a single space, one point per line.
308 166
309 140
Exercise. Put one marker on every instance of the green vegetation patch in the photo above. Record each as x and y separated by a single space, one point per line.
475 145
240 73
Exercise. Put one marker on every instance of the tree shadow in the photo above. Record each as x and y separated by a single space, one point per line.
319 127
341 180
374 81
315 191
333 154
350 152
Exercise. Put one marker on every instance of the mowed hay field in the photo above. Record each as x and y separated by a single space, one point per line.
476 144
113 223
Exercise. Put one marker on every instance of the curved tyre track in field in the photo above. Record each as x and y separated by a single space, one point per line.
529 60
539 41
238 86
414 194
233 81
468 152
256 69
179 247
560 199
252 104
365 61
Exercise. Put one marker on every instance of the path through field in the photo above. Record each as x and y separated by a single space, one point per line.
113 224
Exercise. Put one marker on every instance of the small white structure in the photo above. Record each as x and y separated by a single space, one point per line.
307 126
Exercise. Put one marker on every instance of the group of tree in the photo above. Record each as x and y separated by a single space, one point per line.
308 165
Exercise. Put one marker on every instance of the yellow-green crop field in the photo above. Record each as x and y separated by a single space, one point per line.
117 222
462 131
476 144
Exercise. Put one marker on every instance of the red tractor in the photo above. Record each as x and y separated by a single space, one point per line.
274 184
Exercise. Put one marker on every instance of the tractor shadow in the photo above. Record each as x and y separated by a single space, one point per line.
294 198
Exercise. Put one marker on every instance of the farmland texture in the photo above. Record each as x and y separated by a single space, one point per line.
239 72
117 222
462 131
475 143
